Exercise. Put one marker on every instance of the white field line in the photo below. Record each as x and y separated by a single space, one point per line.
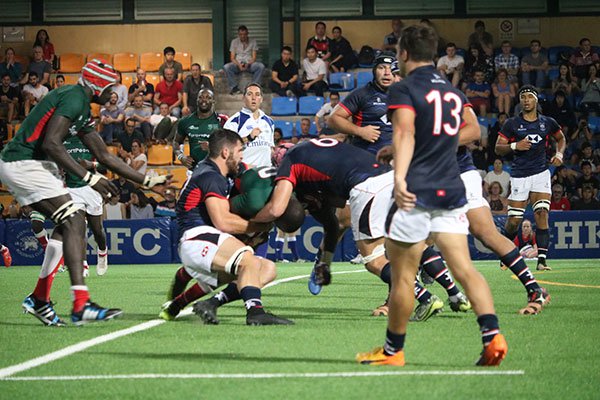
479 372
81 346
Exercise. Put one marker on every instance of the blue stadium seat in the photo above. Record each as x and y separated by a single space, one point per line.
553 74
554 51
461 52
341 81
492 121
594 124
310 105
284 106
363 77
483 121
287 128
312 131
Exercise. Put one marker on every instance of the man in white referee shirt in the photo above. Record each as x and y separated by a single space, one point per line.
254 127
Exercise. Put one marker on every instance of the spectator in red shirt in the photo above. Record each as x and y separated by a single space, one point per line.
582 58
169 91
42 39
321 42
558 201
526 240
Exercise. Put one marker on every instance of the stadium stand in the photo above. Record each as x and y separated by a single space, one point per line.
125 62
185 59
363 77
310 105
151 61
160 154
100 56
71 62
287 128
341 81
282 106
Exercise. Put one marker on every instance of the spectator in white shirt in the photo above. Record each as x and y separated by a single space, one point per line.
33 92
497 175
242 56
315 72
323 114
451 65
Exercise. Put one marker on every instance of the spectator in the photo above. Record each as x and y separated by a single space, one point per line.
342 55
141 115
33 92
451 65
127 136
493 137
166 208
137 158
478 60
169 91
315 71
564 81
242 57
59 81
587 154
125 189
43 40
479 149
591 91
534 66
498 175
526 242
114 209
587 201
478 93
163 124
191 87
587 180
121 90
9 99
141 87
111 118
508 61
170 62
496 199
558 201
583 58
284 75
503 91
139 206
561 111
11 67
304 133
441 48
321 42
324 112
38 65
277 137
482 39
254 127
390 40
567 178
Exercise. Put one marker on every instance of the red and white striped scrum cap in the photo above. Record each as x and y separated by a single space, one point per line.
98 75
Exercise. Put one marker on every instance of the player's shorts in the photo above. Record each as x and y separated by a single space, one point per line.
31 181
521 187
369 203
474 190
197 250
415 225
89 198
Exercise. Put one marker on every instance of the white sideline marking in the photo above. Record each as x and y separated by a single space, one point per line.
76 348
267 375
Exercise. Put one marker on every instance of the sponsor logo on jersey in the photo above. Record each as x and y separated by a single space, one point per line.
534 138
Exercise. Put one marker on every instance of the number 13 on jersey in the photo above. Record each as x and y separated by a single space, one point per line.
435 97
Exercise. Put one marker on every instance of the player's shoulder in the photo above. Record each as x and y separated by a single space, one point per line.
269 120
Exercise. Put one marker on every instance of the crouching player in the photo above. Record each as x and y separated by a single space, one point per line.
207 247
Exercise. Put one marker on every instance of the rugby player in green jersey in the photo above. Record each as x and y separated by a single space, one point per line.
29 167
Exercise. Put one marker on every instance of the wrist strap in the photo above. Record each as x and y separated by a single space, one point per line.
513 146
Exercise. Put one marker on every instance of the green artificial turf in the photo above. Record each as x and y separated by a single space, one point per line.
554 355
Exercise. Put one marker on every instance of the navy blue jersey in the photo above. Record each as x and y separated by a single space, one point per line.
433 174
368 106
205 182
532 161
327 168
465 159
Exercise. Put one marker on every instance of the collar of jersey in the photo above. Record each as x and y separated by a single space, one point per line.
245 110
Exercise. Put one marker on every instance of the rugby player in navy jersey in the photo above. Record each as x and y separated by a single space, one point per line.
369 128
207 248
429 196
527 136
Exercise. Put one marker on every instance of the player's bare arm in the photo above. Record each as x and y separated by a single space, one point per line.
561 144
278 202
470 131
178 140
503 147
339 122
403 142
225 221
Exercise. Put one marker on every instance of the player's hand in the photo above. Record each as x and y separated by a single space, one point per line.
370 133
523 145
187 162
405 200
385 155
255 132
101 185
557 160
185 110
260 226
162 180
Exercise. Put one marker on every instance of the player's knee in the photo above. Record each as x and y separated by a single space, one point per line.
243 260
376 260
515 214
68 214
268 271
541 207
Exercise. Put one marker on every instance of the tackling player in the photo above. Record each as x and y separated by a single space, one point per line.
527 136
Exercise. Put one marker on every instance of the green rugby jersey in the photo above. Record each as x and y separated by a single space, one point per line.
255 186
78 151
199 130
70 101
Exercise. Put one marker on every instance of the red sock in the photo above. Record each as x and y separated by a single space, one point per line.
81 295
44 285
185 298
43 240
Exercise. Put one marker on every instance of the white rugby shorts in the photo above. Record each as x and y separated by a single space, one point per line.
521 187
31 181
89 198
474 189
369 205
415 225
